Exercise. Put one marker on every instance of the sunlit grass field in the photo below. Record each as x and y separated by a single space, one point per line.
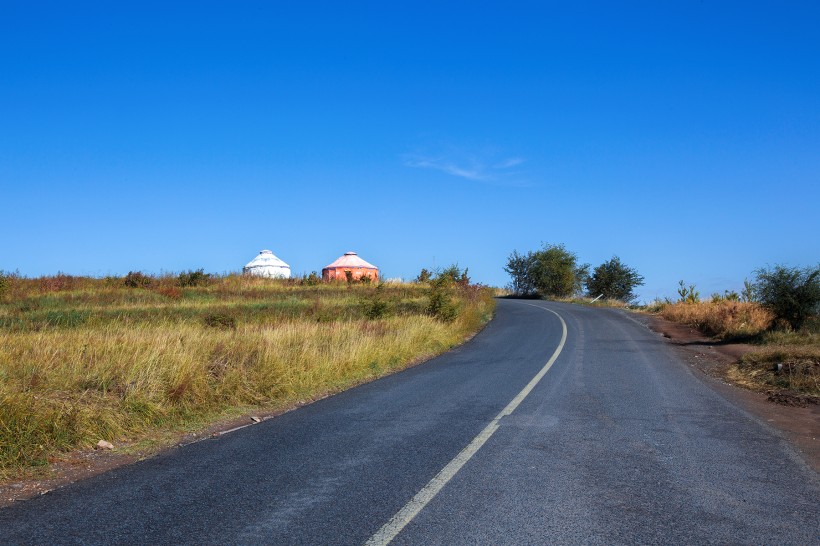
85 359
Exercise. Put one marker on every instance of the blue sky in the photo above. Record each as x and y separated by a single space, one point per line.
683 137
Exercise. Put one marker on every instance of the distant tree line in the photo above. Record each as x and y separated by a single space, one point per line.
554 272
791 293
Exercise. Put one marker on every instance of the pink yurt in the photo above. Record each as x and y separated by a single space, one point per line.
350 262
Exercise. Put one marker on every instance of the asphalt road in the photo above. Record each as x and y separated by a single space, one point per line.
618 443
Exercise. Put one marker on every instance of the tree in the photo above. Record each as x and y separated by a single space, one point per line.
614 280
518 267
555 272
792 294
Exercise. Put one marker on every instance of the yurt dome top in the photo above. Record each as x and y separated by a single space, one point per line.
266 261
350 260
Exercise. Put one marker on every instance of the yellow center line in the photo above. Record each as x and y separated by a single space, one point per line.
404 516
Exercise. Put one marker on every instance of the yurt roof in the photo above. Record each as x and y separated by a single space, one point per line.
352 260
266 258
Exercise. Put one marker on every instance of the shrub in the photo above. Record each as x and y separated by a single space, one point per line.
365 279
193 278
222 321
688 295
454 275
792 294
440 304
311 280
614 281
376 307
424 276
136 279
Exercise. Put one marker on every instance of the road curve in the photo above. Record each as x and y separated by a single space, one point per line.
618 443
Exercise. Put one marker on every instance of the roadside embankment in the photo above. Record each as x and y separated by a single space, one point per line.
784 364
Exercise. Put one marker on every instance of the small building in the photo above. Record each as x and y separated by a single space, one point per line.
266 264
350 262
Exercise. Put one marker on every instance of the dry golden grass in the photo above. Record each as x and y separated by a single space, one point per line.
795 368
785 360
92 362
723 319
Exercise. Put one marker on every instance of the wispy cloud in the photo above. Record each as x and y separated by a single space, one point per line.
472 172
507 163
487 169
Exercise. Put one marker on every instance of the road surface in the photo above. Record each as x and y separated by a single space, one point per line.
617 442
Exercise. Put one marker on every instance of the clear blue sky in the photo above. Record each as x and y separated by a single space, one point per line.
683 137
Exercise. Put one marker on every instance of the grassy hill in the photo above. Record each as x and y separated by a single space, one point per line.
126 359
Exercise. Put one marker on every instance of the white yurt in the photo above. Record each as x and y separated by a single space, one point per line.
266 264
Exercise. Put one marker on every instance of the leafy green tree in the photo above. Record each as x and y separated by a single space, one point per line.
518 266
793 294
614 280
555 272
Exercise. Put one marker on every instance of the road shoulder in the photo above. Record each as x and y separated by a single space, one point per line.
710 360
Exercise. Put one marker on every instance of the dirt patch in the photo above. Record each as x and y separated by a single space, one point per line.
686 336
794 399
795 415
